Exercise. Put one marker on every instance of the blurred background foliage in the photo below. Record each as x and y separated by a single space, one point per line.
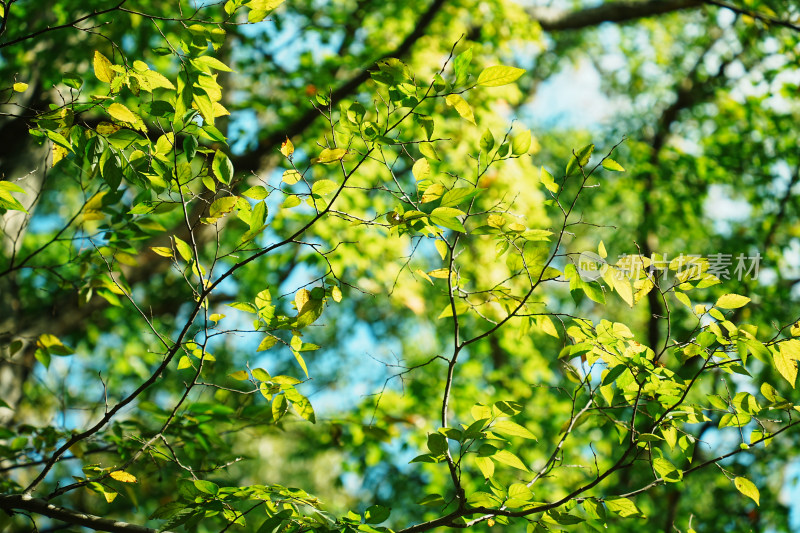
704 94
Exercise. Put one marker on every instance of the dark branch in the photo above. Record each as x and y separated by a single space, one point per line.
252 160
21 502
623 11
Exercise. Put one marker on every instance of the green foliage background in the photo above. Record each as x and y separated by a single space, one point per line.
351 175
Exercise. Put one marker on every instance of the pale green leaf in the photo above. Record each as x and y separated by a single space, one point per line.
499 75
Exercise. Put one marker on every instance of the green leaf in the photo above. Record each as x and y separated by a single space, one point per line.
731 301
222 167
547 180
507 427
521 143
746 487
183 249
486 466
256 193
376 514
446 217
457 196
487 141
437 443
508 458
623 507
206 486
209 62
610 164
499 75
324 187
461 65
579 159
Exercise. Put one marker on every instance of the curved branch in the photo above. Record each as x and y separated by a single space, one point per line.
252 160
21 502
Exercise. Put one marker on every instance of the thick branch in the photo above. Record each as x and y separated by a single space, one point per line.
252 160
555 19
21 502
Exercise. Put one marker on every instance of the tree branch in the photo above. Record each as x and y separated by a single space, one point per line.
622 11
252 160
22 502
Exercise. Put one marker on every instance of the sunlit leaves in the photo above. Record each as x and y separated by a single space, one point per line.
499 75
102 68
124 477
330 155
748 488
731 301
786 364
461 106
579 159
610 164
6 200
222 167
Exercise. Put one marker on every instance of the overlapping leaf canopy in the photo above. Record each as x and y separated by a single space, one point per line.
294 266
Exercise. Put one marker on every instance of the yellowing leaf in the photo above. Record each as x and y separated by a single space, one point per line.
421 169
791 349
499 75
102 68
440 273
121 475
330 155
785 365
222 206
731 301
610 164
20 87
746 487
336 294
461 106
122 113
287 148
163 251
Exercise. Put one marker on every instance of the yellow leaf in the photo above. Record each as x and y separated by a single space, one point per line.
440 273
731 301
20 87
102 68
122 113
287 148
499 75
785 365
301 299
421 169
330 155
746 487
461 106
163 251
121 475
